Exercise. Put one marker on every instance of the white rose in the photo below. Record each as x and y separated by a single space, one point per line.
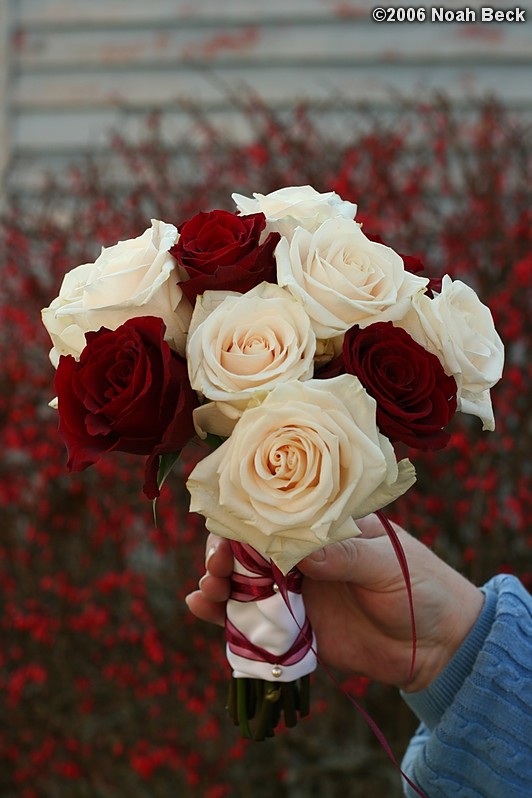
298 469
458 328
342 278
239 345
130 279
295 206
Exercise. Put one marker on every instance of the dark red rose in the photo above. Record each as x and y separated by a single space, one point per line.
128 392
333 368
411 262
415 398
434 286
414 265
221 251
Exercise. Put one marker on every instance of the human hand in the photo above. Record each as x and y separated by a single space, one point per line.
357 603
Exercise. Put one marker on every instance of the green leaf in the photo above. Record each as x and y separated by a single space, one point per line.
214 440
166 462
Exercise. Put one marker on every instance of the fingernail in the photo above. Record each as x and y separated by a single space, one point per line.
317 556
210 552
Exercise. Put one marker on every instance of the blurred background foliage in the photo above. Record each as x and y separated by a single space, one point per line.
108 688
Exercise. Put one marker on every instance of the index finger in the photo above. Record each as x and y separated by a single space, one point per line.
219 557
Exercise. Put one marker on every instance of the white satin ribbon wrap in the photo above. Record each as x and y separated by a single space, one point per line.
268 623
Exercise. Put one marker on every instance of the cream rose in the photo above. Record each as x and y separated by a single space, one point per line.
239 345
295 206
458 328
132 278
342 278
298 469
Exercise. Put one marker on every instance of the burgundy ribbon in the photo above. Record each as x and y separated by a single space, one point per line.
266 581
268 577
240 645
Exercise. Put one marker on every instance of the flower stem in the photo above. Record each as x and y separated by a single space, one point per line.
265 725
264 702
231 701
304 695
289 695
242 707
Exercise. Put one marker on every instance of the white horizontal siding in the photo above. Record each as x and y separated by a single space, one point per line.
5 139
142 12
286 44
78 68
158 89
121 13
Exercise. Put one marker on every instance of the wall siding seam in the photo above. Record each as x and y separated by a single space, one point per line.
264 64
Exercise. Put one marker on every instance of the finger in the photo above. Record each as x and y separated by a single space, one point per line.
205 610
219 558
215 588
366 562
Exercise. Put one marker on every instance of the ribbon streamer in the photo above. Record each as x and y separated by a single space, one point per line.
267 578
379 734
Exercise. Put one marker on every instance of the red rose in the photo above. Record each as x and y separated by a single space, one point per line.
415 398
411 262
128 392
414 265
221 251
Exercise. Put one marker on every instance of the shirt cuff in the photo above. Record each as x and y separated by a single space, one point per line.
430 703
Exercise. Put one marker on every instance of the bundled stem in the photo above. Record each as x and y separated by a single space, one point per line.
264 703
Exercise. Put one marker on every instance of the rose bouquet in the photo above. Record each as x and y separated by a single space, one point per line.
305 353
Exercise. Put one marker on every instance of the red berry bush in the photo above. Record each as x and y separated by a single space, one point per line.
108 687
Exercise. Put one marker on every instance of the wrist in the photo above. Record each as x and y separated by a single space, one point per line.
450 634
431 703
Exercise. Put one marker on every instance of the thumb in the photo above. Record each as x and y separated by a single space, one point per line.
364 561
